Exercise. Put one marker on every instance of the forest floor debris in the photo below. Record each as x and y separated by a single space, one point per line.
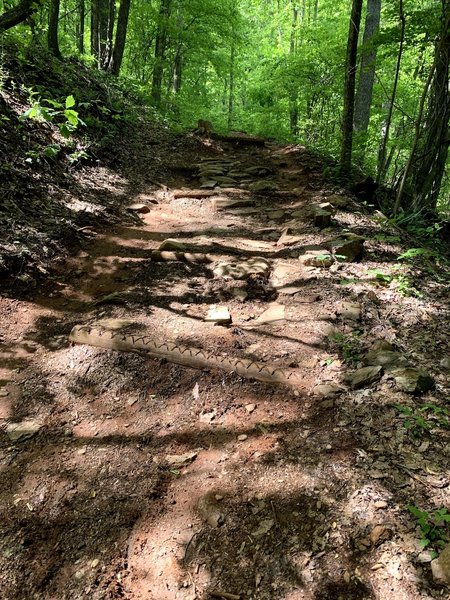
128 477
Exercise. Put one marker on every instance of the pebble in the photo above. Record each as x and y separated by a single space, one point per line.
242 437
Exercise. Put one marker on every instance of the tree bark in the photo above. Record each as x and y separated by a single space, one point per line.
160 51
430 149
349 87
231 87
94 28
367 71
293 108
18 14
382 154
52 33
80 26
121 36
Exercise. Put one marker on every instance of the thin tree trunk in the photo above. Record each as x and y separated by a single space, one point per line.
382 153
431 141
177 68
349 88
367 71
160 51
231 88
52 33
121 35
293 108
94 28
80 26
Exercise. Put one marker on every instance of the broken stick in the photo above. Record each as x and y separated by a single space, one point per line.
181 355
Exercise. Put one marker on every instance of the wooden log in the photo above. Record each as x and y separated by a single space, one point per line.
95 335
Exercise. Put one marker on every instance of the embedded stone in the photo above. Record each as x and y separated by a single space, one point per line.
440 567
364 377
218 315
328 390
317 258
275 312
138 208
338 201
23 430
386 358
171 244
350 311
263 186
413 381
242 269
346 248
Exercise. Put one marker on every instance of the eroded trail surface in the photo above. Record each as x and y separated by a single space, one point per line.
124 476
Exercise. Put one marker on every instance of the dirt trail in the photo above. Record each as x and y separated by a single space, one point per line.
141 479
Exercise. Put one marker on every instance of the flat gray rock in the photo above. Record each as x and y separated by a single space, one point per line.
364 377
23 430
386 358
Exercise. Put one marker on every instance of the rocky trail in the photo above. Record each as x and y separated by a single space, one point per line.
159 466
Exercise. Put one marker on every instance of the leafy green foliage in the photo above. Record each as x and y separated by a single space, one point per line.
424 418
349 346
434 527
51 111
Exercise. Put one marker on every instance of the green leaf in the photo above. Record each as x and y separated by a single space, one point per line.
65 131
71 116
52 150
70 101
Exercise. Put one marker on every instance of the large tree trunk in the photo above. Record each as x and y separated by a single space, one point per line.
18 14
121 36
52 33
425 169
349 87
160 50
367 72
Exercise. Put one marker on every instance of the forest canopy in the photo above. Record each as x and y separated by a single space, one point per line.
365 82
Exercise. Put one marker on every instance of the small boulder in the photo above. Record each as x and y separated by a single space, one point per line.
328 390
386 358
276 214
350 311
346 248
276 312
364 377
440 567
138 208
258 171
219 315
317 258
23 430
172 245
382 345
445 363
210 510
338 201
263 186
413 381
322 218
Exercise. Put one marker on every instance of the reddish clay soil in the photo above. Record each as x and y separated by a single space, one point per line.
149 480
